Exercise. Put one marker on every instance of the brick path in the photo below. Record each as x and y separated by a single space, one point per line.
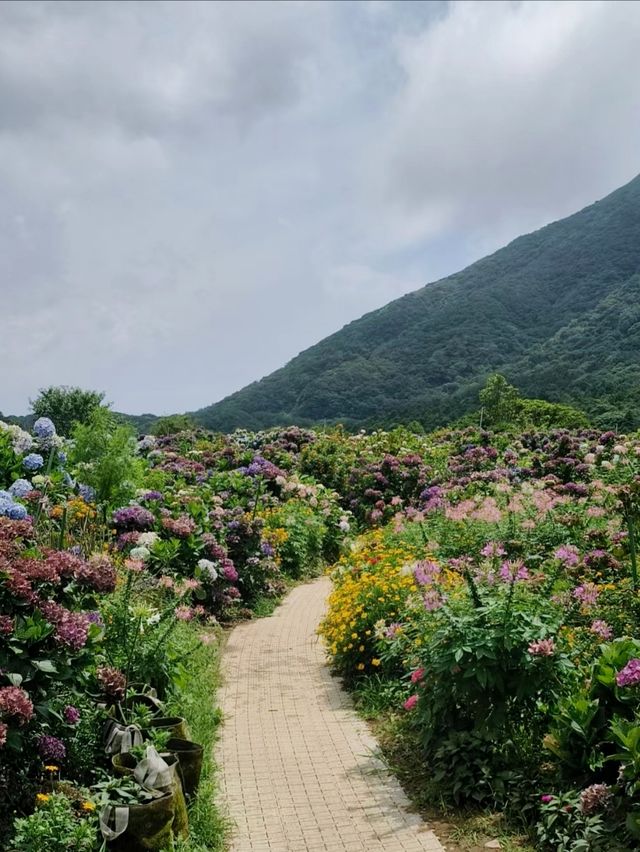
298 769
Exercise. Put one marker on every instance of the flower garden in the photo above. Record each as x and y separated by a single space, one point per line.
120 560
485 598
495 612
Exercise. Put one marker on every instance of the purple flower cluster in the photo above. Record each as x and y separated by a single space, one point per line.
587 594
51 748
71 715
601 629
133 518
153 496
630 674
179 527
511 572
426 572
568 554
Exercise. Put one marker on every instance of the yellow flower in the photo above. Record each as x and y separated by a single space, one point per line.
375 661
51 768
88 806
41 798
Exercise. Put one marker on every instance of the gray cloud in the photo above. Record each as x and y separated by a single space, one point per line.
193 192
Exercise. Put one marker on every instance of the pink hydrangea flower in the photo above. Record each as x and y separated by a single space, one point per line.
630 674
16 702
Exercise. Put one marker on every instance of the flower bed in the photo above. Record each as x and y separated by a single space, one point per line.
103 604
510 625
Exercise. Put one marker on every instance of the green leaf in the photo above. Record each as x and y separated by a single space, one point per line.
44 666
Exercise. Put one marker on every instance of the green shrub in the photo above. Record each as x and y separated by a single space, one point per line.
56 826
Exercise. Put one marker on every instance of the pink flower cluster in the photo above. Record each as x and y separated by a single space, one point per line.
511 571
587 594
15 702
542 648
71 628
630 674
601 628
179 527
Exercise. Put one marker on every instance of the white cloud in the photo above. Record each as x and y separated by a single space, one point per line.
193 192
509 112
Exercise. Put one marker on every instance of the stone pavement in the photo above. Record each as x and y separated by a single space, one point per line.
299 773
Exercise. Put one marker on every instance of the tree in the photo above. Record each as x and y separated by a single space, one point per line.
103 456
173 423
66 406
500 400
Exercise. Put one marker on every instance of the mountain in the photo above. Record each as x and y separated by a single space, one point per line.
556 311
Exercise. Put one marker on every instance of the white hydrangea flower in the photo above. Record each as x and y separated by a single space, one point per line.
141 553
209 567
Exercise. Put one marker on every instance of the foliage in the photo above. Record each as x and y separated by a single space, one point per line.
564 827
172 424
66 406
57 826
499 400
103 456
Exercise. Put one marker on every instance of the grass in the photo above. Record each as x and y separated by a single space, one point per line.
196 702
378 700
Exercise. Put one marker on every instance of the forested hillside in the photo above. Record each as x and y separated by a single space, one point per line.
555 311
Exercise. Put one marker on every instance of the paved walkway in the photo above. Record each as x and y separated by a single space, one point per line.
298 769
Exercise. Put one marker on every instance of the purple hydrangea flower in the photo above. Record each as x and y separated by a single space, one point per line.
133 518
51 748
630 674
71 715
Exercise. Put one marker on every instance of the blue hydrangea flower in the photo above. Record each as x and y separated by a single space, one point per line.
5 497
16 512
87 493
43 428
33 461
20 488
62 457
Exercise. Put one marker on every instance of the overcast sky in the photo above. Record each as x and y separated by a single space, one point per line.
193 192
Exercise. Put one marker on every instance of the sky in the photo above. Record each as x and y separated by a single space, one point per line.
191 193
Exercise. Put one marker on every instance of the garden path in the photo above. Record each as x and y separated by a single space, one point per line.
299 770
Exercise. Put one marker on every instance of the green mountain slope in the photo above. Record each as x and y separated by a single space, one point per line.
556 311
